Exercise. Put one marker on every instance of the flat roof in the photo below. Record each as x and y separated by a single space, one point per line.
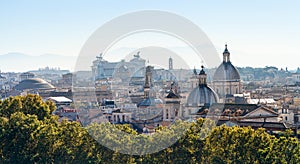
60 99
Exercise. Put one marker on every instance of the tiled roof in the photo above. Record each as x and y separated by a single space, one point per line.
267 125
220 108
253 124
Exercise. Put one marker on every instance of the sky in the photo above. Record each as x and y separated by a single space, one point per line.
258 33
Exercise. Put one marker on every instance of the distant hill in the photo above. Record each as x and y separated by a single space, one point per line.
19 62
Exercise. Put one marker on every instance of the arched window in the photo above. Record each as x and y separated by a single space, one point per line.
167 114
227 91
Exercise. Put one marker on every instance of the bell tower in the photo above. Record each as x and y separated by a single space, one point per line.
148 81
170 63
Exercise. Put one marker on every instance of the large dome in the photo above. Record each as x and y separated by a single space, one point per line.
202 95
34 83
150 102
226 72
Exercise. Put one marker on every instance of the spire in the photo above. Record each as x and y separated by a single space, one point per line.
202 72
170 63
148 81
226 55
226 50
195 71
174 87
173 91
148 78
100 57
137 55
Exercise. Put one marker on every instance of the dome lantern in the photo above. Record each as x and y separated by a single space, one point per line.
202 76
226 55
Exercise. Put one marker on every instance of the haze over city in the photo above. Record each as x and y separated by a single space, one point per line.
259 33
149 81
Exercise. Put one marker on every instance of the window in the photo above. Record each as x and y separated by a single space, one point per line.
284 110
227 90
297 119
167 115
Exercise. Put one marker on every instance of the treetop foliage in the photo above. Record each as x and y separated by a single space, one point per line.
29 133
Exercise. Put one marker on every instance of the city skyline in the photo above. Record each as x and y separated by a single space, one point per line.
149 81
258 33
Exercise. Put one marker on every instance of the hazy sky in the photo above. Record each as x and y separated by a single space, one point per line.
258 32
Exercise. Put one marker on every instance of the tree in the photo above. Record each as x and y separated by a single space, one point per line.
29 133
30 104
235 145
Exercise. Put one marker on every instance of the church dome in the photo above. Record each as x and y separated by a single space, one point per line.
226 71
34 83
202 95
150 102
